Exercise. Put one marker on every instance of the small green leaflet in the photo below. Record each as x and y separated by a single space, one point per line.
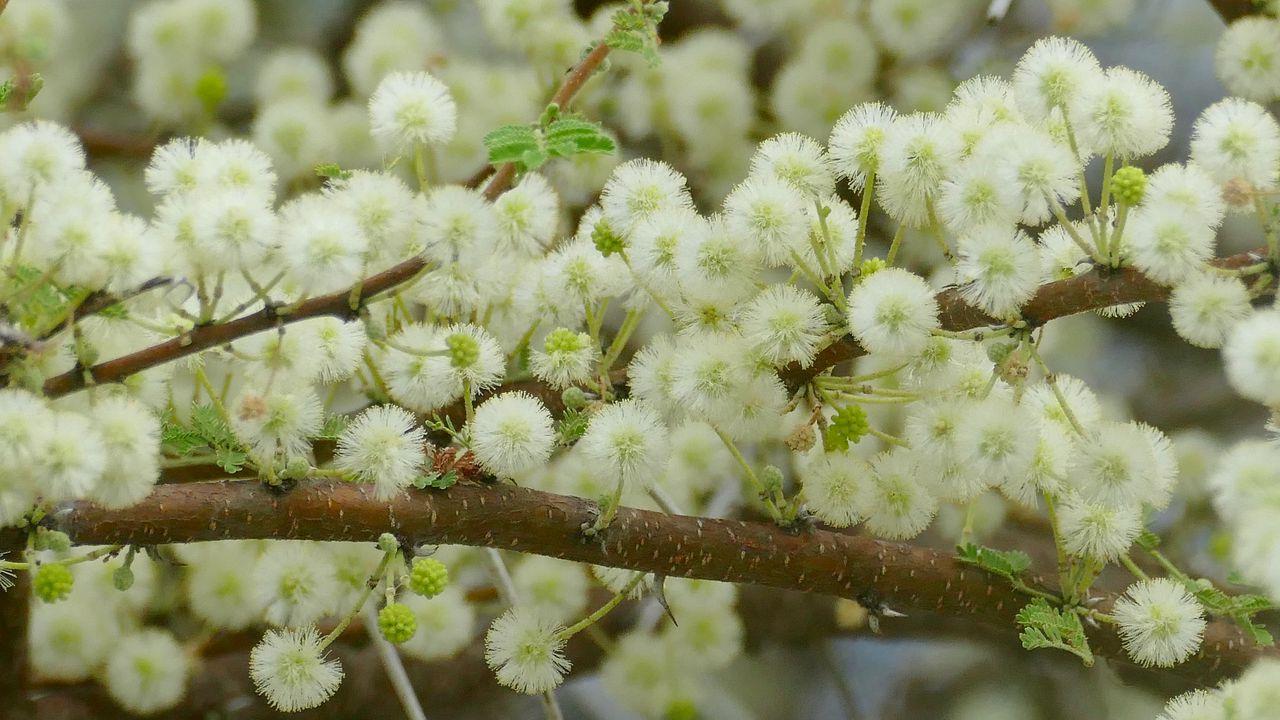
637 31
207 432
1044 626
529 147
334 425
1005 563
438 481
573 425
332 171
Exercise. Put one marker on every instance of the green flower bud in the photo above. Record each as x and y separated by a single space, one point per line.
464 351
607 241
54 540
574 398
847 426
122 578
53 582
1128 185
429 577
870 266
999 352
388 543
397 623
771 477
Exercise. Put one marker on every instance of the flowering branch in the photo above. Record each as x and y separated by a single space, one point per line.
880 575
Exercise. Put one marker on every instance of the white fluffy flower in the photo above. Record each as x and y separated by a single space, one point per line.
294 72
796 159
412 108
918 152
454 221
1238 140
446 624
628 440
1206 306
220 583
384 446
1197 704
278 421
1000 269
770 214
295 583
69 456
996 440
322 247
527 215
550 587
894 503
1248 57
1126 114
784 324
526 651
289 668
1252 357
831 487
1160 622
1168 244
131 436
512 433
1188 188
1118 465
893 311
1042 168
147 672
978 194
639 189
36 153
855 141
566 358
1052 74
1097 530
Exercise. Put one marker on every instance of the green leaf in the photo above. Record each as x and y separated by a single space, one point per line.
332 171
1148 540
511 143
1260 635
573 425
574 135
1044 626
1005 563
438 481
178 440
230 460
208 424
334 425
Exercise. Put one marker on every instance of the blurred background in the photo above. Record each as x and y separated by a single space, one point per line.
733 72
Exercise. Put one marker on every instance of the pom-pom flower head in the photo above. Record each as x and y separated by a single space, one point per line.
893 311
526 651
1160 622
384 445
512 433
290 669
412 108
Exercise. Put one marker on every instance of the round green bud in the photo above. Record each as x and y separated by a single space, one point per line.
847 426
122 578
1128 185
771 478
464 351
682 709
211 89
397 623
388 543
562 340
574 398
999 352
53 582
607 241
296 469
54 540
870 266
428 577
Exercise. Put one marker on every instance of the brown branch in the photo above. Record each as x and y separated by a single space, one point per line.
876 573
15 615
1235 9
1093 290
335 304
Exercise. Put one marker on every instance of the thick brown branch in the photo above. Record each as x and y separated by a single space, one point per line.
1235 9
900 576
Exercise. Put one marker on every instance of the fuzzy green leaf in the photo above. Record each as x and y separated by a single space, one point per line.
511 143
230 460
436 480
571 136
333 427
1005 563
1044 626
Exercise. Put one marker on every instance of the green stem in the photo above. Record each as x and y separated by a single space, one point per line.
1133 568
1273 247
214 398
1060 213
895 244
374 579
1122 215
1104 202
774 512
629 324
891 439
935 228
1057 391
1064 563
863 214
603 610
